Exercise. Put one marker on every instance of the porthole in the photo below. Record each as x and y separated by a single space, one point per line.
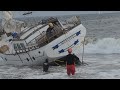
27 59
33 58
6 59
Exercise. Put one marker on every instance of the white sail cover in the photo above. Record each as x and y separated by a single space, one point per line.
7 15
9 24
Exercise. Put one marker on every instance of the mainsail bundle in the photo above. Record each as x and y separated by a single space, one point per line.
9 24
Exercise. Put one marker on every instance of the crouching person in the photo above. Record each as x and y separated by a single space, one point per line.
45 66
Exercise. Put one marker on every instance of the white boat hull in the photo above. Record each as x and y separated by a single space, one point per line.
72 39
34 57
54 50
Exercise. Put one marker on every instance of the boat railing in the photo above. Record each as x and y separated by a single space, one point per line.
69 28
35 31
23 32
42 40
40 35
16 39
45 40
57 33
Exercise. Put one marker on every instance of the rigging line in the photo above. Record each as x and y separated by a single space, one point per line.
83 50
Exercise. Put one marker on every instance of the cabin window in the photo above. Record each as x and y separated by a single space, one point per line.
33 58
34 47
27 59
6 59
15 46
19 47
22 45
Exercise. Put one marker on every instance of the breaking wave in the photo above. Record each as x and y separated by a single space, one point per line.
103 46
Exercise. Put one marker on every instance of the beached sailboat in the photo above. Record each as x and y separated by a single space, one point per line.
32 47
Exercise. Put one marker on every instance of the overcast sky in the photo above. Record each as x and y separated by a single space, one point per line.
53 13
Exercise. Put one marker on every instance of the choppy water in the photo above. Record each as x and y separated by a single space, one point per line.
99 66
102 52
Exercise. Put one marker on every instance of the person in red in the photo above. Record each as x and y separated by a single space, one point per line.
70 62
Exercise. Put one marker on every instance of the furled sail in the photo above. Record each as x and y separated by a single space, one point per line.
9 24
7 15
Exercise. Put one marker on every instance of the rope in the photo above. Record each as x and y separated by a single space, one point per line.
57 63
83 51
59 60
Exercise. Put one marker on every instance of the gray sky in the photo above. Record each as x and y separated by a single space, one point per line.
54 13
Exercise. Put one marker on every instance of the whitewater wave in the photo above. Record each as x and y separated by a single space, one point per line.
103 46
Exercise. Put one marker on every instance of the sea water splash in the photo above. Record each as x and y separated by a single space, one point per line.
103 46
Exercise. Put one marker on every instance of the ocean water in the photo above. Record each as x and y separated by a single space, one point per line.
102 51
